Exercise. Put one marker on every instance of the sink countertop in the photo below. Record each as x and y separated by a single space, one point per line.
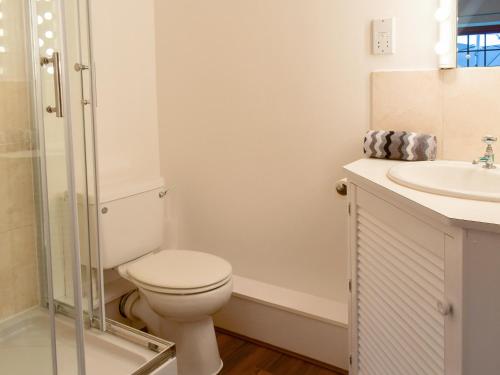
459 212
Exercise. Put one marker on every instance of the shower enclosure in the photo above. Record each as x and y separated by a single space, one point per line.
50 302
46 174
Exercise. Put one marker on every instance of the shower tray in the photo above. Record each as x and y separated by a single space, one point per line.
25 348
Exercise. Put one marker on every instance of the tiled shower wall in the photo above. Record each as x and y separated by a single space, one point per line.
18 259
18 255
459 106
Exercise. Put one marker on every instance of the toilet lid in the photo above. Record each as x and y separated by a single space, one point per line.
180 270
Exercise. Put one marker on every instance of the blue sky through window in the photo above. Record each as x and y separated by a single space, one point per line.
477 50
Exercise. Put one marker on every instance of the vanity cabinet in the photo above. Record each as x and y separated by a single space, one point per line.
425 292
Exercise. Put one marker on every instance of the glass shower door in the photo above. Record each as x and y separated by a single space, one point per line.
25 328
47 226
59 137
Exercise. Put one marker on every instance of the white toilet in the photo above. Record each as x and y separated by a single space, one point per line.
178 290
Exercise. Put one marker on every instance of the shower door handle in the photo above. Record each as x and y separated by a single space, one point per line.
55 60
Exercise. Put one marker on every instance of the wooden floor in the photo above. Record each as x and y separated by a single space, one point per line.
245 358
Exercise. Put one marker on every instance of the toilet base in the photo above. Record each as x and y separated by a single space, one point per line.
220 368
197 350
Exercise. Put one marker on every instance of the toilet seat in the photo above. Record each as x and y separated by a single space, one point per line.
179 272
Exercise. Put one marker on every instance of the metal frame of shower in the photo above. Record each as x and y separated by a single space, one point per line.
40 170
92 315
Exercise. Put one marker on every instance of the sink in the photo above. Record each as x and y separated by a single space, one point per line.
451 178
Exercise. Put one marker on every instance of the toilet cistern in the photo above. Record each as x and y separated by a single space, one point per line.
178 290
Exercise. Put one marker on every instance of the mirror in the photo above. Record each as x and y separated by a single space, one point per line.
478 33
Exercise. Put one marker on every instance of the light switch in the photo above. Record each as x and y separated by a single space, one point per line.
384 41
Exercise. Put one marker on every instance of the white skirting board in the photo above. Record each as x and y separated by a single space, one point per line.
298 322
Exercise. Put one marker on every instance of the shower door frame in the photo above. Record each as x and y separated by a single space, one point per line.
37 115
95 316
40 179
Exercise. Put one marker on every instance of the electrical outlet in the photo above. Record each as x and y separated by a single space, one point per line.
383 33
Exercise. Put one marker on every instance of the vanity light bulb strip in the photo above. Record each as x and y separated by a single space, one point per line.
446 16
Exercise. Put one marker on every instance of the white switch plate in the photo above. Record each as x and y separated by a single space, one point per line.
384 38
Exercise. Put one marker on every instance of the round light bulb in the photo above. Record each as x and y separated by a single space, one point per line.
442 14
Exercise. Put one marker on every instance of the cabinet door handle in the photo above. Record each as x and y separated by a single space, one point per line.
444 308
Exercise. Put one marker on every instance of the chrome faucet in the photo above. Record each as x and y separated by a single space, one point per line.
489 156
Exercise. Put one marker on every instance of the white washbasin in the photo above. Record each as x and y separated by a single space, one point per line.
451 178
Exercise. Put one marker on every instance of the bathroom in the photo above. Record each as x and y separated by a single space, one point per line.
209 187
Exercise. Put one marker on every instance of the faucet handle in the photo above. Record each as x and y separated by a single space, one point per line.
489 139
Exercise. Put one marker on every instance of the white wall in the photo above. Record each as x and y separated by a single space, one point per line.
260 104
127 124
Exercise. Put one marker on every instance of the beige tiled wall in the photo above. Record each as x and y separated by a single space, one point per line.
18 260
459 106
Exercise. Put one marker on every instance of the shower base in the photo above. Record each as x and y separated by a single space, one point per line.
25 348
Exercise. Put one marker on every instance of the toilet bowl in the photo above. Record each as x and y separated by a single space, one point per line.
182 290
178 290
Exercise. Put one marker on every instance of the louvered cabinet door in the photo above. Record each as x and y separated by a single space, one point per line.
398 280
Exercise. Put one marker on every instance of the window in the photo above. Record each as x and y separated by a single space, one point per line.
479 49
478 43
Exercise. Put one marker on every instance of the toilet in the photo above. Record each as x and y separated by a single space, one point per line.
178 291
